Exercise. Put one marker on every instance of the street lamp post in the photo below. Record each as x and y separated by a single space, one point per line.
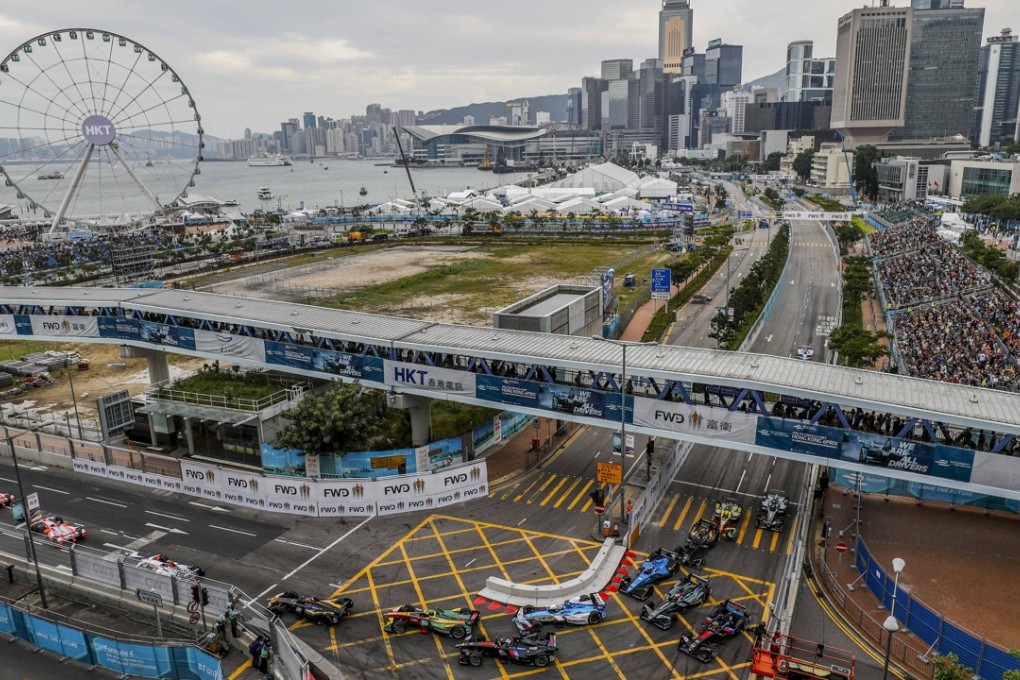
890 624
28 522
623 345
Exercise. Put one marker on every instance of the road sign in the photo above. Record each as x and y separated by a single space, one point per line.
149 597
193 618
660 283
609 473
599 509
192 607
32 501
744 214
841 547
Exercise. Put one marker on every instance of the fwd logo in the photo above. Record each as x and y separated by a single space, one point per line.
453 480
194 474
241 483
670 417
396 488
285 489
336 493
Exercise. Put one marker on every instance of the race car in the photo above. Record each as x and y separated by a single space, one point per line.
725 621
57 530
528 650
686 594
660 565
882 455
805 353
704 532
727 515
327 611
692 554
6 499
578 611
163 565
772 514
457 623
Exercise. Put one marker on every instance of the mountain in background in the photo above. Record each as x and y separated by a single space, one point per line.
776 80
555 104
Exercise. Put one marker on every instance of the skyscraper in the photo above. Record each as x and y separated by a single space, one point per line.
309 120
676 33
617 69
870 88
808 79
945 47
724 64
998 112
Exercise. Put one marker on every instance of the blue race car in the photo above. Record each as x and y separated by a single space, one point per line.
578 611
660 565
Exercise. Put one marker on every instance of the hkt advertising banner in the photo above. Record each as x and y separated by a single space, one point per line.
7 325
60 326
905 455
429 378
167 336
228 345
702 421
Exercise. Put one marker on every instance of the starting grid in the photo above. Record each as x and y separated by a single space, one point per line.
444 561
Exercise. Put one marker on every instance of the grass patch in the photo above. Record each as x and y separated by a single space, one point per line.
861 224
232 385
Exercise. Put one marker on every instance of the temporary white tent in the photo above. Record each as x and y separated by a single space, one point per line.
482 204
603 178
579 206
624 204
526 206
655 187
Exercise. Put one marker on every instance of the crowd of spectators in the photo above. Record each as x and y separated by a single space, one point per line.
23 258
937 272
912 235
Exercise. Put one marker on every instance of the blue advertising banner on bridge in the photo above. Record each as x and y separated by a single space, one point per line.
119 328
923 458
560 398
167 336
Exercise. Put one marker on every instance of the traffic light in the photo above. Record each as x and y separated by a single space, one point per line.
651 446
205 597
598 496
195 593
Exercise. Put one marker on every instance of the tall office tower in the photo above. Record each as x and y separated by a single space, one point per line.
517 113
869 92
936 4
735 102
287 132
574 106
649 95
998 113
676 33
616 105
808 79
724 64
373 112
404 118
617 69
945 48
677 96
693 65
309 120
591 102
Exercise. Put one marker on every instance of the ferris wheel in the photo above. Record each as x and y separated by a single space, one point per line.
95 129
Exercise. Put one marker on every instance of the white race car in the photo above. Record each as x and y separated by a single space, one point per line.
164 566
805 353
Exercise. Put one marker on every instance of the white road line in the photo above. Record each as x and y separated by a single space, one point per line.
11 481
470 563
129 551
522 521
268 590
167 515
208 507
46 488
327 548
300 545
233 531
100 500
742 475
107 531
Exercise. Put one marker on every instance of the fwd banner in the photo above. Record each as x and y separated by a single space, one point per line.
429 378
700 421
58 325
824 216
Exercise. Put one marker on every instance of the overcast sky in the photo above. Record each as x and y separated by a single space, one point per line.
253 63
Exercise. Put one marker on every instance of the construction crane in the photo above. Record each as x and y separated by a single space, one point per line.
407 168
849 171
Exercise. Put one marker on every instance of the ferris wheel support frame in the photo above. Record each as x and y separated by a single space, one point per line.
144 189
73 189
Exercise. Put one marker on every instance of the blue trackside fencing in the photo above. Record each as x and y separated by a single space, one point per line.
988 660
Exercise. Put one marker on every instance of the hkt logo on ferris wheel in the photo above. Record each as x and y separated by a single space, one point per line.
98 130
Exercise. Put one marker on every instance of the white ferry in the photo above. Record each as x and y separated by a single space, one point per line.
264 194
263 160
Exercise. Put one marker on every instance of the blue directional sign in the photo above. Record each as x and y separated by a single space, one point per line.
744 214
660 284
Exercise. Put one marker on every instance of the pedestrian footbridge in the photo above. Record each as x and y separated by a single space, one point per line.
865 421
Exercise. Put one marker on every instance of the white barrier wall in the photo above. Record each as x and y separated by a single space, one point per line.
311 497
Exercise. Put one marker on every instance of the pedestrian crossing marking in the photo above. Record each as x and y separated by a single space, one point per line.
683 513
542 488
524 493
665 515
566 494
553 492
584 492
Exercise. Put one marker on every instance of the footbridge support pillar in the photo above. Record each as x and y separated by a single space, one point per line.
421 416
159 367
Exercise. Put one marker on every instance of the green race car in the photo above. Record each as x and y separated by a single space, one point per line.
457 623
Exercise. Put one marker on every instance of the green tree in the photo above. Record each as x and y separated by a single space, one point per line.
802 163
1012 675
723 329
340 419
865 172
857 347
772 161
948 667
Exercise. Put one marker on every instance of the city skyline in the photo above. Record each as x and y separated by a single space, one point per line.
257 69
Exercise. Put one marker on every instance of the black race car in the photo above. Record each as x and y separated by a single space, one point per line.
324 611
686 594
528 650
6 499
725 621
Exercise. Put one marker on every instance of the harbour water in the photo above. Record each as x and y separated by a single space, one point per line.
318 184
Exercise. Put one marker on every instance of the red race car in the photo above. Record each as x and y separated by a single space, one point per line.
58 531
6 499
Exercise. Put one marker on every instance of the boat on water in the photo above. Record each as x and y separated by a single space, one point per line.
264 160
231 203
264 194
363 192
52 175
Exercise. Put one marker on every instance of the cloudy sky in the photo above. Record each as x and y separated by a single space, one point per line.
253 63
